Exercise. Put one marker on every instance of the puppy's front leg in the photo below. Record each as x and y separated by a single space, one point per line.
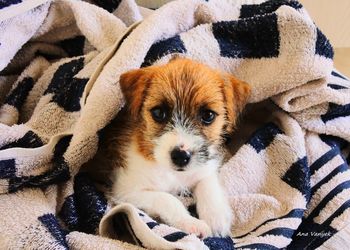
169 209
213 206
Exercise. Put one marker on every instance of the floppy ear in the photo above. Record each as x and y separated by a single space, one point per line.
134 84
236 94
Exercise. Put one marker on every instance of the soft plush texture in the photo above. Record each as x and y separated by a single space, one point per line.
288 181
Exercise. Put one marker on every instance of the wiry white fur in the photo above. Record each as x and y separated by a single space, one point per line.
151 186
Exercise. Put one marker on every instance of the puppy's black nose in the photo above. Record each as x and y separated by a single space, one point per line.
180 157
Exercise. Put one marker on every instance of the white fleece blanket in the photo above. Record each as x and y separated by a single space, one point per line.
60 61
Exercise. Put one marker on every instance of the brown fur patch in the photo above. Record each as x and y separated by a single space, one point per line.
236 94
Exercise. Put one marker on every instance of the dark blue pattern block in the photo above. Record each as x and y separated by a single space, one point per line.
152 224
266 7
338 189
295 213
219 243
336 111
109 5
175 236
29 140
51 224
91 203
280 231
310 235
73 46
69 213
19 94
66 89
83 210
163 48
54 176
334 141
260 246
7 3
263 137
336 86
248 38
316 165
61 148
298 177
340 169
7 168
47 55
59 173
338 75
323 46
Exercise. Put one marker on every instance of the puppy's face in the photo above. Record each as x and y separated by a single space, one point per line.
181 111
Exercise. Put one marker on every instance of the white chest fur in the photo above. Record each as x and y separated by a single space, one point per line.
141 174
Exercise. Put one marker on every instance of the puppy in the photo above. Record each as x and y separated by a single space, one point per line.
169 139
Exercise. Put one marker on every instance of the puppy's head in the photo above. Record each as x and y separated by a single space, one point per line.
181 111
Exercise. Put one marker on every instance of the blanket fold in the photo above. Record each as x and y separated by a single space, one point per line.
288 180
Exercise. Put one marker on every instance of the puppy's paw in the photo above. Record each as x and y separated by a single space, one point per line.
192 225
218 217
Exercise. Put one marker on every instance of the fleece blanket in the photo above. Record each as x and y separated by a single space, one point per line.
288 180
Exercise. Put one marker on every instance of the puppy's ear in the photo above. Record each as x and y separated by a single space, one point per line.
134 84
236 94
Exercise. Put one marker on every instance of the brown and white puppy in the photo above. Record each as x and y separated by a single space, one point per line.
169 139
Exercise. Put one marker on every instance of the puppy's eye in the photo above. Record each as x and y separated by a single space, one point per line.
207 116
159 114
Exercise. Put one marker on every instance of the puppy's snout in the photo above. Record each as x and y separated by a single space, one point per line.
180 157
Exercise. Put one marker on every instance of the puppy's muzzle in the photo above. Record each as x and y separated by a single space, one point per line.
180 157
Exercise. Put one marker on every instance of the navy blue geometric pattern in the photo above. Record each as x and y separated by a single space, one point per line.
152 224
69 214
18 95
7 168
61 148
54 176
298 176
73 46
7 3
264 136
259 246
266 7
310 234
52 225
215 243
59 173
29 140
163 48
336 111
279 231
256 37
338 75
323 46
295 213
109 5
316 165
340 169
175 236
334 142
67 89
336 86
83 210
